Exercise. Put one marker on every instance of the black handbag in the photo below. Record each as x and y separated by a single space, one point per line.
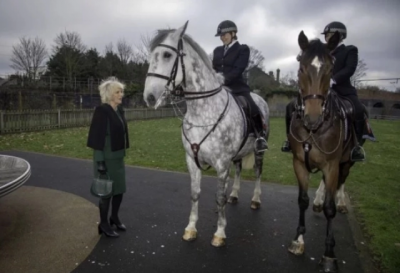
101 187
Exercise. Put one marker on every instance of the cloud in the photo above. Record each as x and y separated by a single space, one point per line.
270 26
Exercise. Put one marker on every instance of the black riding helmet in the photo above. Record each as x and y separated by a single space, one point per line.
225 27
336 26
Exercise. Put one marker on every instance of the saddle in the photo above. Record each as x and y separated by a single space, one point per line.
346 109
245 108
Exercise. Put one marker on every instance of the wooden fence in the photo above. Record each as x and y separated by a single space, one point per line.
385 117
36 120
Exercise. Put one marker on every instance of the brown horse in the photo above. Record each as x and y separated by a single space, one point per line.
321 136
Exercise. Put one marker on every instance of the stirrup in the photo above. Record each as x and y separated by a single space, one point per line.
361 152
263 143
286 147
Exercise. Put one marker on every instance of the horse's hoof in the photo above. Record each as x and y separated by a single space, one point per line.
233 200
329 264
255 205
342 209
189 235
218 241
317 208
297 248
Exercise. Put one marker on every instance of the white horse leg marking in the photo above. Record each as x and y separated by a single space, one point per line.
341 204
256 201
219 235
236 184
319 196
195 176
340 196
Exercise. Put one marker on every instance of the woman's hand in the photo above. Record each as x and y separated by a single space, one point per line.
101 167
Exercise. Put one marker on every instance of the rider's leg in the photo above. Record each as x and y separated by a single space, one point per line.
289 110
261 143
358 154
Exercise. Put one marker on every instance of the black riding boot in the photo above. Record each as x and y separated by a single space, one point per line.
286 145
289 110
114 219
357 153
104 226
261 143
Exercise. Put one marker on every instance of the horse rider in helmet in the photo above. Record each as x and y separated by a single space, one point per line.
346 61
231 59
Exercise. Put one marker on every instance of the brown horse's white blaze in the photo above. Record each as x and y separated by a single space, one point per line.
313 108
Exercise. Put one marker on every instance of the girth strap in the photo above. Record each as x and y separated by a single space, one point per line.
196 147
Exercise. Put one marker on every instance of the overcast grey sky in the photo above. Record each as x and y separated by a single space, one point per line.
269 25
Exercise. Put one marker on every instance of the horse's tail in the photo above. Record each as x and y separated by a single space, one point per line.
248 161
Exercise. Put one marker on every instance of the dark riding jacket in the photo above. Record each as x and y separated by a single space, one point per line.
345 65
232 65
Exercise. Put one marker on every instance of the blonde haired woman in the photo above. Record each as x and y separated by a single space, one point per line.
108 137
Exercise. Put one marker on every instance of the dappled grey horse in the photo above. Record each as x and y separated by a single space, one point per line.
215 129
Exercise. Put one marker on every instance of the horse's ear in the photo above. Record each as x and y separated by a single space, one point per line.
183 29
334 41
303 41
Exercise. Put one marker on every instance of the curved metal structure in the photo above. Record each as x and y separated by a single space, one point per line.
14 172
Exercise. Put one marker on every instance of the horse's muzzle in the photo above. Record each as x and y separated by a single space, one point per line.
150 100
312 124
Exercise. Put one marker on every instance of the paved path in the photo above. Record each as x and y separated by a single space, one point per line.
156 209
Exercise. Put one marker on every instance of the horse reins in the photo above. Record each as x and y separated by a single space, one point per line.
306 145
179 91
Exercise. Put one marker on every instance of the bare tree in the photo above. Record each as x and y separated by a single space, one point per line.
70 39
71 49
109 48
359 73
125 51
142 52
289 80
28 56
256 59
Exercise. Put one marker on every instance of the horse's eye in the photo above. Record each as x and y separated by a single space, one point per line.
167 55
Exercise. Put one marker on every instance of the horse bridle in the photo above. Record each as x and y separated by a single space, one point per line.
179 90
300 105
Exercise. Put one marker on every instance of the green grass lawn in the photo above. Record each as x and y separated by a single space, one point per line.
374 186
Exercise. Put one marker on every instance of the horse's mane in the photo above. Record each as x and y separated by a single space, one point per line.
316 48
162 34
